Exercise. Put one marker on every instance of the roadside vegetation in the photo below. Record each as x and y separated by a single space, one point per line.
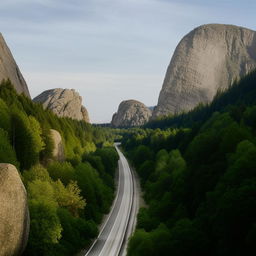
67 200
198 173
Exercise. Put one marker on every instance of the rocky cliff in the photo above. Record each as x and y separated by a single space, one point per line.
14 215
85 114
209 58
131 113
9 69
64 103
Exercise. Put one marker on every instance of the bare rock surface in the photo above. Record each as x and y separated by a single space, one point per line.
209 58
85 114
64 103
14 214
9 69
131 113
58 147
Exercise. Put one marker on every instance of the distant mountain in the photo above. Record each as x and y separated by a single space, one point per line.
151 107
64 103
10 70
131 113
207 59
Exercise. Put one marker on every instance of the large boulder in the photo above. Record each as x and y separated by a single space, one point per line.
14 214
64 103
207 59
58 147
10 70
131 113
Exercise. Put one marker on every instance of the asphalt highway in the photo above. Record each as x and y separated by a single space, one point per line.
120 223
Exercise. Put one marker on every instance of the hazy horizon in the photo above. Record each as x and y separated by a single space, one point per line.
107 50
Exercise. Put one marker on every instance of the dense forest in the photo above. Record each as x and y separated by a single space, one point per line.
67 200
198 174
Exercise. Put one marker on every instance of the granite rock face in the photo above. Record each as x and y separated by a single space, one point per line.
58 147
85 114
64 103
14 214
131 113
209 58
9 69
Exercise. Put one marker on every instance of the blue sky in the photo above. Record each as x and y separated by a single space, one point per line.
108 50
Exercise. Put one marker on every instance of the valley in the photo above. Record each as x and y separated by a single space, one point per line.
175 176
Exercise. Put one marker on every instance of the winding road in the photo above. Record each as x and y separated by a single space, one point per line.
120 223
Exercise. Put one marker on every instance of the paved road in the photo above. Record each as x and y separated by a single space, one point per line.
112 240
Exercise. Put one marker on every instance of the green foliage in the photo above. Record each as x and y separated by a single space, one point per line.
37 134
98 195
5 120
73 218
150 243
46 152
200 183
61 170
76 232
45 227
69 197
145 170
186 239
109 159
142 154
145 220
50 197
89 147
26 138
37 172
97 163
7 154
63 210
141 244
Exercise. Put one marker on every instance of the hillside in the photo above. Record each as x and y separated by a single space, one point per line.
66 198
199 179
239 94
